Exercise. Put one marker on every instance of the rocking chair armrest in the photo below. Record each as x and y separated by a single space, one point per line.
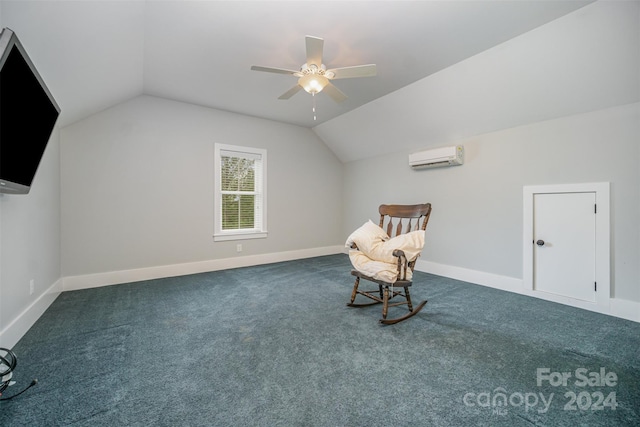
402 263
399 253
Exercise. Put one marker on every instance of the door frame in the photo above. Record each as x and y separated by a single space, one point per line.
603 276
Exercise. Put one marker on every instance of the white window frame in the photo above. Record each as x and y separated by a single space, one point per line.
241 234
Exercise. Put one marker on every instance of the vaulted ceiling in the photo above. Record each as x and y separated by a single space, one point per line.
95 54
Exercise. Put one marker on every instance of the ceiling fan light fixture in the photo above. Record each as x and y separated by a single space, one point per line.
313 83
314 77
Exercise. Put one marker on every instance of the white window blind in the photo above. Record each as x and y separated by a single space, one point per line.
240 192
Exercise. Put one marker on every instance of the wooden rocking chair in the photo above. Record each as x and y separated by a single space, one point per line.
394 216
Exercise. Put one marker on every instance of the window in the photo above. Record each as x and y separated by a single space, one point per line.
240 193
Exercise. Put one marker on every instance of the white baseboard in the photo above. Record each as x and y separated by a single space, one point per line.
86 281
491 280
625 309
15 330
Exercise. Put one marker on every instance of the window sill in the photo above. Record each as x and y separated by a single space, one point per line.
239 236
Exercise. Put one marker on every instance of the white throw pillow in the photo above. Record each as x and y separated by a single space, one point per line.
375 243
368 235
374 256
411 243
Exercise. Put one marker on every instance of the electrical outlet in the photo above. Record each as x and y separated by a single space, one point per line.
32 285
238 247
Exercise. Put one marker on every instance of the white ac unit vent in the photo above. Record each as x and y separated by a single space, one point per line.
443 156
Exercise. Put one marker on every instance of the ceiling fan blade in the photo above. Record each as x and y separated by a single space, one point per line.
368 70
274 70
314 50
288 94
335 93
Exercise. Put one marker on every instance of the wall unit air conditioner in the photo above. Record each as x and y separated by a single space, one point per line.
443 156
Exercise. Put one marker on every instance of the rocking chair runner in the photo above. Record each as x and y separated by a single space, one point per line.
399 219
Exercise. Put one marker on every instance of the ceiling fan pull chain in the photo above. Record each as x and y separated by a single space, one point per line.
313 96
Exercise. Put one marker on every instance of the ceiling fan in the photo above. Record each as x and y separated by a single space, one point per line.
314 77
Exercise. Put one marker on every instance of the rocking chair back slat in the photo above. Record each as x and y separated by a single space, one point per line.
389 229
391 213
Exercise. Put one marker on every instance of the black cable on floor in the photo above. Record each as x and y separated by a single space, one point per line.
34 382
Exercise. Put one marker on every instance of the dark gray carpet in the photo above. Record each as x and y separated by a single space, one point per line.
275 345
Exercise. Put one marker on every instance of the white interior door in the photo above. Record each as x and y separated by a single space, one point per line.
564 242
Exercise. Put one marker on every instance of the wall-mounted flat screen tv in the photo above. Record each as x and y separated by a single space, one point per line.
28 113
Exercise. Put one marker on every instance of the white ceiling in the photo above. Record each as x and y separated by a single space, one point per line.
94 55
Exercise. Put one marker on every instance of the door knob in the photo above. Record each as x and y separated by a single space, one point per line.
540 243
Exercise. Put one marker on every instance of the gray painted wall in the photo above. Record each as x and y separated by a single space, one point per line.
29 234
137 185
30 238
557 105
477 207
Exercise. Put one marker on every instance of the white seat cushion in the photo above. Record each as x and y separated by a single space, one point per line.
374 256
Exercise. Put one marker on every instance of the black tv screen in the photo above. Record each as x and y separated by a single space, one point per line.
28 113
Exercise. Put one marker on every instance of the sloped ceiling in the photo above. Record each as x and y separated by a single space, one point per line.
90 54
586 61
95 54
202 52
